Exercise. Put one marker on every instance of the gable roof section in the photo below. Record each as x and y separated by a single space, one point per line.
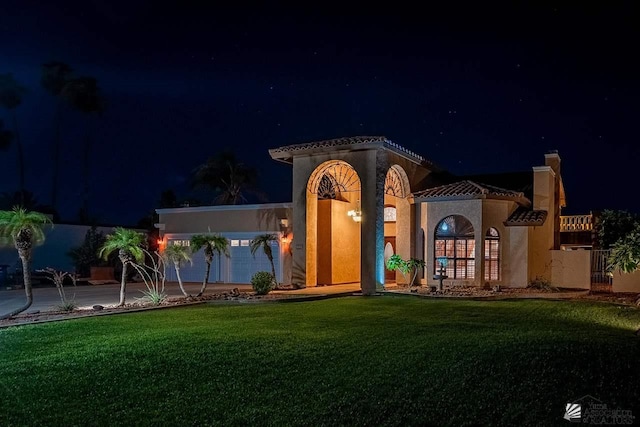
516 181
524 216
287 152
466 190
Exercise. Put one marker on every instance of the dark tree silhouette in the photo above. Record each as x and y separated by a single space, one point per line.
11 94
83 94
55 76
26 200
6 136
227 178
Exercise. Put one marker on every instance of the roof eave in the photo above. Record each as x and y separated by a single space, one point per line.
448 198
524 223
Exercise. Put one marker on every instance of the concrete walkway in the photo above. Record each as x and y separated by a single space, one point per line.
86 296
323 290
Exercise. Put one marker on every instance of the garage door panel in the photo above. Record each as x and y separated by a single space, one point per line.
195 272
243 265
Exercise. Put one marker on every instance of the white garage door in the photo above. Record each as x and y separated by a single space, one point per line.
243 265
238 268
195 272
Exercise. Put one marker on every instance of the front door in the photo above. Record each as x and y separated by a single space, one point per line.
389 249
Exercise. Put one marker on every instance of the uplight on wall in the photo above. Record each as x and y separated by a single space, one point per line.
356 214
284 229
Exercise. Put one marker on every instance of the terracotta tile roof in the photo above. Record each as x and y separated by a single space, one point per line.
284 153
470 190
336 142
524 216
516 181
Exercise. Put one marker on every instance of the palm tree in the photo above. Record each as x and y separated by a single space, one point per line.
24 229
55 76
212 244
6 136
264 241
178 254
227 177
83 94
11 94
129 244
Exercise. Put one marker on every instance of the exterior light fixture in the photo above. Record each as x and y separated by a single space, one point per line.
356 214
284 229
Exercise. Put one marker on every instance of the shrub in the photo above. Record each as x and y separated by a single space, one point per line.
154 296
542 284
408 268
67 306
58 278
262 282
153 273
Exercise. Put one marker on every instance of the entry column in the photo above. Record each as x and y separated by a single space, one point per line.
373 174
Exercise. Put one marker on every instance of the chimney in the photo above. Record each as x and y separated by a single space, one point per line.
552 158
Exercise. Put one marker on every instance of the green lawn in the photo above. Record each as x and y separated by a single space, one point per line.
350 361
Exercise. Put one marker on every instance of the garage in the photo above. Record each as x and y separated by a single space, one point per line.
238 268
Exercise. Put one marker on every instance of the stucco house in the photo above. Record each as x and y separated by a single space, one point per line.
358 200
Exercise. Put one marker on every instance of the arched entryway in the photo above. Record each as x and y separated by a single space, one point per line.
397 238
333 218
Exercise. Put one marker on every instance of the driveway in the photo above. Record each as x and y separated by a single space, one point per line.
88 295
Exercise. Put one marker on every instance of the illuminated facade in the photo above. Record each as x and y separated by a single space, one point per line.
356 201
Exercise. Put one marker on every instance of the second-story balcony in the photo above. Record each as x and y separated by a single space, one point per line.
576 223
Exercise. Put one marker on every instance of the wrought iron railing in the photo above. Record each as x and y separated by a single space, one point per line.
576 223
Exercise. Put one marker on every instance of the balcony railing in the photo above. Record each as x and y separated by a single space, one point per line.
574 223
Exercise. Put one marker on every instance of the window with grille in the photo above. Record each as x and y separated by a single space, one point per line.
389 214
454 240
492 255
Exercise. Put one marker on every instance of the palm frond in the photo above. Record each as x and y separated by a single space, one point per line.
212 243
262 241
177 254
18 219
130 241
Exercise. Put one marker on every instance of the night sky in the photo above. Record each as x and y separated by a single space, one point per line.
475 89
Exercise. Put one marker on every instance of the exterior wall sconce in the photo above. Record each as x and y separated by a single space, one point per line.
284 229
356 214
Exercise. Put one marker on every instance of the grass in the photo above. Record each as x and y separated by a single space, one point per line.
351 361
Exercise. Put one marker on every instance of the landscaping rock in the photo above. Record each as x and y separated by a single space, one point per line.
98 307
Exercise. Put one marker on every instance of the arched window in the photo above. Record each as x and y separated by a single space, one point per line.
492 255
454 240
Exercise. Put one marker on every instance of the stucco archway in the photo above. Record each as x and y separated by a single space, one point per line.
333 237
397 215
